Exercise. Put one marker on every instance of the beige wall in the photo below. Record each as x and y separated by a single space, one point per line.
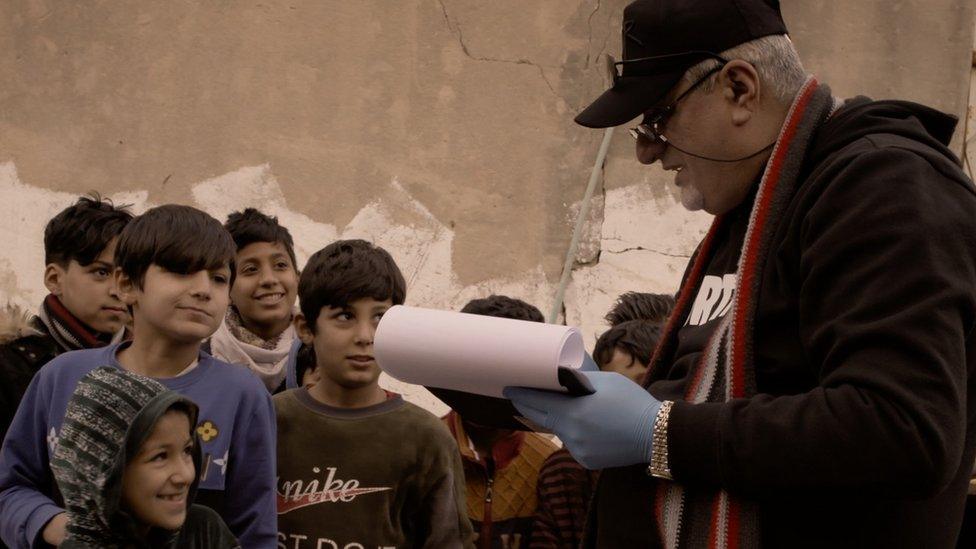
440 128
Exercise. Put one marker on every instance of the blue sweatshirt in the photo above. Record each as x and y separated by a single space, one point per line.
236 429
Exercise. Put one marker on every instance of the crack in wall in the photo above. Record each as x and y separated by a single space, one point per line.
643 249
589 32
455 29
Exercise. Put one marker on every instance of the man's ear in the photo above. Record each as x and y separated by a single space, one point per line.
54 278
302 329
125 287
741 89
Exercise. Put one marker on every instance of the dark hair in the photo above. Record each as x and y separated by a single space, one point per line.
640 306
346 271
638 338
504 307
180 239
82 231
252 226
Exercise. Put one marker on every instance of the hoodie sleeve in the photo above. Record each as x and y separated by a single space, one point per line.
25 477
249 494
886 317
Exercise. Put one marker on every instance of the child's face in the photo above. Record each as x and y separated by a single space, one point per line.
89 291
343 342
265 287
623 363
156 482
179 307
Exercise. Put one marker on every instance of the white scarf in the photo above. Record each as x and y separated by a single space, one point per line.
267 364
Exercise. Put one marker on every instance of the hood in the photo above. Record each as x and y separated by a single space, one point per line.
110 414
15 323
860 116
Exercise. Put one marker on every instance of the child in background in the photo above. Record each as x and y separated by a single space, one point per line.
501 466
626 348
126 465
82 310
359 467
565 487
173 273
257 331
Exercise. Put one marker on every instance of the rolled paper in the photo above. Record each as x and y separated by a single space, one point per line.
474 353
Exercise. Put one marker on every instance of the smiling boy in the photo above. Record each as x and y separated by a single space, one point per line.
257 331
173 272
82 309
359 467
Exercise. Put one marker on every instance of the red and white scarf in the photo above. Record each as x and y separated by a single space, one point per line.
725 370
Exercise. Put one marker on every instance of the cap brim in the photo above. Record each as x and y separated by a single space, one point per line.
627 100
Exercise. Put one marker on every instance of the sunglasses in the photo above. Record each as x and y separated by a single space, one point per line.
655 118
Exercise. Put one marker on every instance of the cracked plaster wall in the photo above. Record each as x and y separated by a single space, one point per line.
440 128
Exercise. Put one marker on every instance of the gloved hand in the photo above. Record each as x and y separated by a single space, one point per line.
613 427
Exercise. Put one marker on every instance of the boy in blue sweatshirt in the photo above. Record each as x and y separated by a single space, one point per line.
173 272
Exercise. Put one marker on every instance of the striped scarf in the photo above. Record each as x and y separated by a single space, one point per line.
69 332
688 517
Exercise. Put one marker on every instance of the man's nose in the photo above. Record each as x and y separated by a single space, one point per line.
648 151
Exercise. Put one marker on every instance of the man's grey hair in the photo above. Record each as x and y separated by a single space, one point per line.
774 58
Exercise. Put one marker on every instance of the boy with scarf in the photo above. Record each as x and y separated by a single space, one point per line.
357 466
257 331
814 386
82 310
173 272
127 463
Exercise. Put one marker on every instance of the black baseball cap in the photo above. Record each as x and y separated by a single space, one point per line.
676 35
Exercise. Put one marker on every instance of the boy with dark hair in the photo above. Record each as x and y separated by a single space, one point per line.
82 310
257 331
127 463
640 306
501 466
626 348
359 467
173 272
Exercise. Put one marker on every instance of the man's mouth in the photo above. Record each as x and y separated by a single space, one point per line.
270 299
114 309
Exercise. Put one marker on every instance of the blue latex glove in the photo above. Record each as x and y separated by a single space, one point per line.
611 428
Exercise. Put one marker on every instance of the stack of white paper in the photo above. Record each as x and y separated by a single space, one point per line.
473 353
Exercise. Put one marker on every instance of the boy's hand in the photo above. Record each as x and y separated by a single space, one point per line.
55 530
613 427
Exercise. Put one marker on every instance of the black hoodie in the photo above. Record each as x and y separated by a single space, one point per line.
109 416
862 432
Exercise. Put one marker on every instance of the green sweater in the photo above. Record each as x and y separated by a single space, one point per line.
385 476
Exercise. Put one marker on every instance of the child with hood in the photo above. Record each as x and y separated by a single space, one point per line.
126 464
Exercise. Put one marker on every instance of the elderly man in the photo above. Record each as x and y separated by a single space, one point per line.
815 386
